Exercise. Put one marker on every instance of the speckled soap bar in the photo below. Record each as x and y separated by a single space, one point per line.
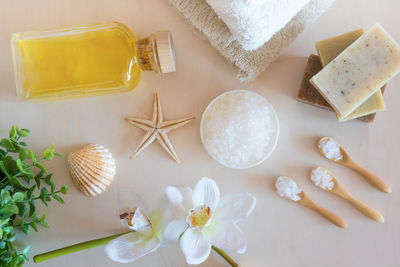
359 71
328 50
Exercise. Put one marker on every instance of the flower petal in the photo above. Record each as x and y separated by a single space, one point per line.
226 235
161 214
194 246
130 247
137 221
206 192
235 207
174 230
180 196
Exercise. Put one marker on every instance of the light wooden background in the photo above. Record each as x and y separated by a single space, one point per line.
279 233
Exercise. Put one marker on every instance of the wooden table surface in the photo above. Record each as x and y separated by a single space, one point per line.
279 233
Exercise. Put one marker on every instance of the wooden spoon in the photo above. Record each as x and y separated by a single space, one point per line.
307 201
349 162
339 190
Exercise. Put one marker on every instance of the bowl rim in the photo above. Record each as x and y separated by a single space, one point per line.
274 115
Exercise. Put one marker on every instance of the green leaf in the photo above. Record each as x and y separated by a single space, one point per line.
47 179
4 222
59 154
9 210
20 165
22 143
32 208
25 229
30 192
8 229
58 198
43 222
44 195
32 156
5 197
13 209
64 189
23 154
18 197
44 191
23 132
24 168
48 154
11 237
40 166
52 186
33 224
9 166
15 261
26 250
37 180
18 184
4 169
23 208
7 144
13 132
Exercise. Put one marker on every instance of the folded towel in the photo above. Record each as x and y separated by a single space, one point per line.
253 22
248 63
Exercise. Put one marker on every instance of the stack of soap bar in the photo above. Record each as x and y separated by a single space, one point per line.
309 95
328 50
359 71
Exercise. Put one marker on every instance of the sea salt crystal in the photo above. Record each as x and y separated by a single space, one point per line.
286 187
331 149
239 129
322 178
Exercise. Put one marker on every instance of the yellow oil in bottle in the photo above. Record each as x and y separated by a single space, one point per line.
86 61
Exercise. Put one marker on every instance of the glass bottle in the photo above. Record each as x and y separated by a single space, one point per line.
85 61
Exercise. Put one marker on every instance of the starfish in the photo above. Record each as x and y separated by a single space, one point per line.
157 129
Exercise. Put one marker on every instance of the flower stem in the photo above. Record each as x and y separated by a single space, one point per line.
74 248
225 256
103 241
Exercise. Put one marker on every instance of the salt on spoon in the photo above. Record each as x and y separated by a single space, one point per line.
325 180
287 188
331 149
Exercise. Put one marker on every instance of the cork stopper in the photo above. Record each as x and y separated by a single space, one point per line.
165 51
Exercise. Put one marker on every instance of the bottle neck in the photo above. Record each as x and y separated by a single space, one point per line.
147 53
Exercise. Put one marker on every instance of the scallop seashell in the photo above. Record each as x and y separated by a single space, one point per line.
92 169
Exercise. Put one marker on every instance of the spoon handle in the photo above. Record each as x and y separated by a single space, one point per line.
371 178
365 209
324 212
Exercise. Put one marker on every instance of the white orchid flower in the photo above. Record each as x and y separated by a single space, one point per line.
205 220
144 239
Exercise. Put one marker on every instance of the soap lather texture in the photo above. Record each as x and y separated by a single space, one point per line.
359 71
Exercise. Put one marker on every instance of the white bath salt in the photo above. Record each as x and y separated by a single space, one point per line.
322 178
331 149
286 187
239 129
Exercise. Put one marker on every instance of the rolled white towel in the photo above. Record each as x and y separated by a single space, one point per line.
253 22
